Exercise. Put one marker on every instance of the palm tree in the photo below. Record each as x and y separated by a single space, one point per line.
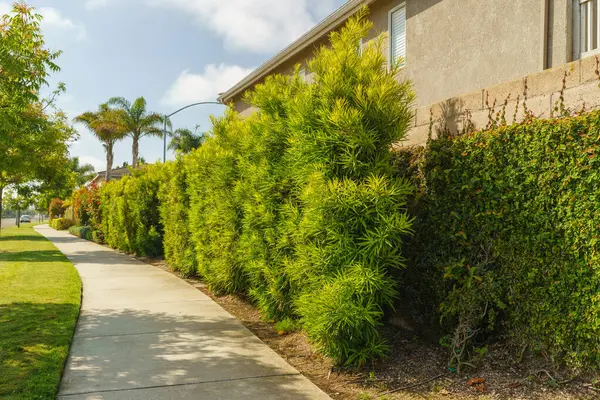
84 172
107 125
184 141
138 121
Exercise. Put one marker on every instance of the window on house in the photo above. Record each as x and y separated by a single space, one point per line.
397 35
586 32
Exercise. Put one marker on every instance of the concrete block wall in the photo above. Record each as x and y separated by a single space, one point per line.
582 91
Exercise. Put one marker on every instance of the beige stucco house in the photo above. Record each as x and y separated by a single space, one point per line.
458 53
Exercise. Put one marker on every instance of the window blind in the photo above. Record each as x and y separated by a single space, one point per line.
398 35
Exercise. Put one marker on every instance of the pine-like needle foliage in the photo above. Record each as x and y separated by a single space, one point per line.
297 206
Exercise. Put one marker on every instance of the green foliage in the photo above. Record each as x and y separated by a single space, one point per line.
510 223
33 140
84 232
61 224
184 141
138 122
215 212
287 325
109 127
297 206
98 237
174 215
352 208
56 208
39 305
129 212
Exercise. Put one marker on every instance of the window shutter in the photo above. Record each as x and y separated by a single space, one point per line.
398 34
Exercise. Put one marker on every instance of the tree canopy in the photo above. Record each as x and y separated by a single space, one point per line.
34 136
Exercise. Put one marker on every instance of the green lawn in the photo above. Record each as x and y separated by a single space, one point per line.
40 294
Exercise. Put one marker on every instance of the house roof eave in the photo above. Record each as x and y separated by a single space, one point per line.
325 26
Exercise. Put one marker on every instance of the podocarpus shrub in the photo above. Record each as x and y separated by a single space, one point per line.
129 212
298 206
352 208
84 232
215 216
510 220
174 215
62 224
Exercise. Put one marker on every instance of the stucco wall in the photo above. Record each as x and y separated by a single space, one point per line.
582 91
458 48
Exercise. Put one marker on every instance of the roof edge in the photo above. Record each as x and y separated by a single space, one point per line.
314 34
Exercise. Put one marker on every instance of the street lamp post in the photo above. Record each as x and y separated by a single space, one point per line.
173 113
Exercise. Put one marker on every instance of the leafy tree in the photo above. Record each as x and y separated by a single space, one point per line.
184 141
138 122
32 141
18 199
107 124
25 61
65 178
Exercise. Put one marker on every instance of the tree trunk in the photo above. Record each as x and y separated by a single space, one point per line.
109 161
18 217
135 149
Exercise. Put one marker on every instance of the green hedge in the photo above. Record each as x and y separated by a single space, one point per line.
303 207
296 206
62 224
129 212
174 216
509 227
84 232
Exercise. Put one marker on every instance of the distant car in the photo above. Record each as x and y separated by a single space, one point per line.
25 218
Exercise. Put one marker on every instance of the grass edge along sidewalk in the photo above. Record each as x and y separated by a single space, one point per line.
40 297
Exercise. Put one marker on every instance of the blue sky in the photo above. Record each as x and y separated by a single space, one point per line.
172 52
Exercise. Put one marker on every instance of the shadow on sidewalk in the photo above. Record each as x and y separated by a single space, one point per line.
118 350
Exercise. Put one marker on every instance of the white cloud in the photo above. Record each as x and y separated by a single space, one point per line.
190 88
54 20
96 4
260 26
99 165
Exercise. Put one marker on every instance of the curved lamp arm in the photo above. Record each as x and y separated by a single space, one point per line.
173 113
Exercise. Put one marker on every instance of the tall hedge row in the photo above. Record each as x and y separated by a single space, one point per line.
510 220
296 206
129 212
301 207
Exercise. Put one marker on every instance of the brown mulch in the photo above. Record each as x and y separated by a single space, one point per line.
415 369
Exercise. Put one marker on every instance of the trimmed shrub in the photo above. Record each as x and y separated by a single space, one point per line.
215 213
98 237
174 208
61 224
509 227
298 206
84 232
129 212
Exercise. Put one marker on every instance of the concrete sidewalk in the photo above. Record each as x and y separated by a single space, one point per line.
145 334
